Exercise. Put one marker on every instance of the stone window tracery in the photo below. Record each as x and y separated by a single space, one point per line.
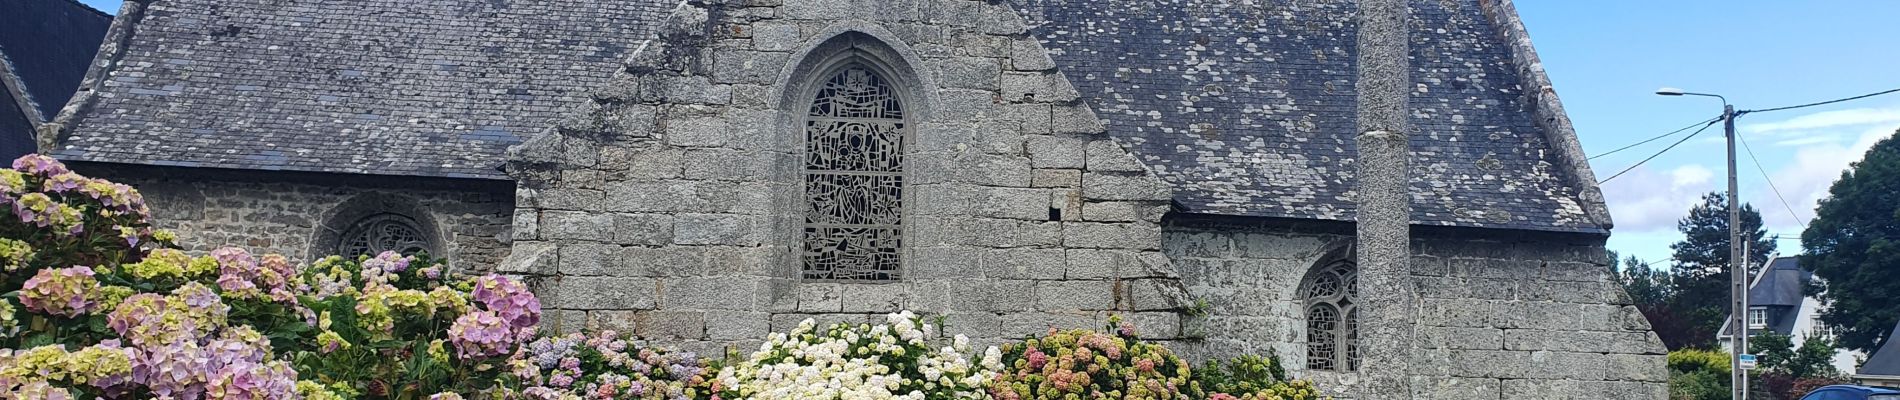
1332 317
383 232
854 178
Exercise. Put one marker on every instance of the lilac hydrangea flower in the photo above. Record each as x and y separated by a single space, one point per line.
68 292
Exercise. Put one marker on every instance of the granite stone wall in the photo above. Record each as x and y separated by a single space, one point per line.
299 215
1530 316
672 207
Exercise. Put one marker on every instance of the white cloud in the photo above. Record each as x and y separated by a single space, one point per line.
1638 205
1689 175
1804 180
1827 120
1808 140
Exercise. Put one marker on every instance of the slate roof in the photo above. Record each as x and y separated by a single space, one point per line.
1248 107
1778 287
397 87
46 46
1780 284
1886 360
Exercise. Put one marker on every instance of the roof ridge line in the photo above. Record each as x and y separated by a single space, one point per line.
1547 111
86 7
111 50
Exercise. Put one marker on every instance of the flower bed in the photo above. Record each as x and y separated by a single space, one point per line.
100 304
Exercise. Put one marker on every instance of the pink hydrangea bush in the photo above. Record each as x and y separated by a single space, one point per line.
396 326
603 366
101 305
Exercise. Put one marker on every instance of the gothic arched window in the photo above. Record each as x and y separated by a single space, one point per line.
383 232
1332 317
854 178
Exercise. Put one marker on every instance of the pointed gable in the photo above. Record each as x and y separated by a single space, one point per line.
1248 108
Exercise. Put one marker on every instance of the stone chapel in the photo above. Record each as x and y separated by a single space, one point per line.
701 172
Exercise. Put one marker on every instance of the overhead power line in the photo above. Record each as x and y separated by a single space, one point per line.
1645 141
1705 127
1771 182
1738 113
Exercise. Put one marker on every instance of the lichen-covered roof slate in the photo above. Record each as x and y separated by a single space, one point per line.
1248 108
397 87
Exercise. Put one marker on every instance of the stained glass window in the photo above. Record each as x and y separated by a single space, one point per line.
1332 317
385 232
854 178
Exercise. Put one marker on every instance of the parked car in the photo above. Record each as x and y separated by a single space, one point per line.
1852 392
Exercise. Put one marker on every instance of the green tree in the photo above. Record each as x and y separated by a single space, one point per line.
1813 359
1653 292
1853 245
1701 276
1646 286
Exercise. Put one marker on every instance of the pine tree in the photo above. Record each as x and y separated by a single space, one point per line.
1853 246
1701 276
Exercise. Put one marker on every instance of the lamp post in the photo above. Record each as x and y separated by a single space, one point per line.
1738 286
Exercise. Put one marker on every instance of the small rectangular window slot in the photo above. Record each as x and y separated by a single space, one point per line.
1055 214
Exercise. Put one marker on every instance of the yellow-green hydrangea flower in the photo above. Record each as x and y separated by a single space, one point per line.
14 253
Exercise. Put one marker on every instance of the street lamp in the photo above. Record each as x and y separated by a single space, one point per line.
1738 286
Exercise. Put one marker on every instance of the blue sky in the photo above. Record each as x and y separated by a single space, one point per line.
1606 57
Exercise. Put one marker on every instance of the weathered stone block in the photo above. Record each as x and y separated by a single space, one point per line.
730 165
643 229
1097 264
1074 119
1636 367
874 297
748 67
1091 235
1046 151
1490 363
820 297
1153 295
531 258
967 104
968 73
1460 338
1056 178
696 90
735 325
1018 325
577 225
1464 313
1038 87
1560 365
1026 54
1571 292
1024 263
1075 295
1157 325
938 262
1456 388
657 262
709 293
527 225
627 163
719 229
607 293
1103 186
670 325
775 36
570 199
700 131
1009 203
586 259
